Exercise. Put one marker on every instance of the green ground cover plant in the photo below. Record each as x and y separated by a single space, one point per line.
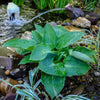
28 92
52 48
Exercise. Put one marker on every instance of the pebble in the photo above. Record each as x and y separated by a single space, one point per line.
53 24
20 81
2 67
19 72
5 88
7 72
97 73
66 24
6 62
81 22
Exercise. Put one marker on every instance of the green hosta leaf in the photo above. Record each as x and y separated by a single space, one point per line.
26 60
39 29
85 50
31 48
40 52
22 51
36 37
19 43
59 30
53 84
81 56
49 37
68 39
75 67
51 68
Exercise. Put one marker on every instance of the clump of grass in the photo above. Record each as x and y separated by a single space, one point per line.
19 2
75 97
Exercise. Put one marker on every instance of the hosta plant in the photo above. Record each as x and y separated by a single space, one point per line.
52 48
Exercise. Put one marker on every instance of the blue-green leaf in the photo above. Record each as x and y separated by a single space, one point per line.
52 84
36 37
40 52
49 37
26 60
75 67
81 56
49 67
22 51
19 43
59 30
68 39
39 29
85 50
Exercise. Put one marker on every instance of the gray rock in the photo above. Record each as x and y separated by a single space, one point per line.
92 17
19 72
66 24
74 12
6 62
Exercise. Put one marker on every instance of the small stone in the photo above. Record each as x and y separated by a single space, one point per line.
97 73
20 82
72 28
81 22
7 72
2 67
78 90
26 35
53 24
59 22
6 62
19 72
5 88
21 66
66 24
